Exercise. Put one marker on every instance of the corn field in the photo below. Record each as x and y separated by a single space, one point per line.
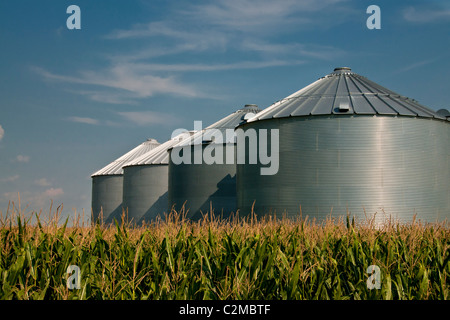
251 258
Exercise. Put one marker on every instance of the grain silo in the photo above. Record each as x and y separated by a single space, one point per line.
347 144
145 182
107 184
208 178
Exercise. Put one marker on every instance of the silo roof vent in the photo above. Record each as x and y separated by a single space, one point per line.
444 112
342 69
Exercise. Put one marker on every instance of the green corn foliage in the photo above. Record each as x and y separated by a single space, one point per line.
225 259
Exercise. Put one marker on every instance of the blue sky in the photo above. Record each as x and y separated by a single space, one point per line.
71 101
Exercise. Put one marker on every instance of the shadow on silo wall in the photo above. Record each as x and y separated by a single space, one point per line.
158 209
222 201
116 214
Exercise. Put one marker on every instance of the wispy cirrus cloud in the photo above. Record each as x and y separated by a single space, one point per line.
265 16
229 25
241 34
214 67
417 64
133 82
429 14
322 52
92 121
85 120
53 192
142 118
43 182
22 158
34 200
125 83
10 178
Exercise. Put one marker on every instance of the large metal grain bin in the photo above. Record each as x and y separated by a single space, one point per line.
145 183
107 184
201 184
349 145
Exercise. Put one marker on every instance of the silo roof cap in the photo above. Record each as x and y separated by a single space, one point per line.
342 69
345 92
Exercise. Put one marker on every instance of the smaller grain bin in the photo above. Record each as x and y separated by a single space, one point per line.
145 183
107 184
202 169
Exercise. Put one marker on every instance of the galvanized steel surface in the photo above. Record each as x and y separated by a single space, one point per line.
358 164
204 186
201 187
107 183
145 192
145 182
106 197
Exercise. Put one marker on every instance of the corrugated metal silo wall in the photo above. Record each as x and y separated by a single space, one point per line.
332 164
145 192
106 194
203 186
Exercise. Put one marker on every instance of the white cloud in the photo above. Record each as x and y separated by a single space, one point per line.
415 65
187 39
85 120
215 67
260 15
149 117
254 16
296 49
109 96
22 158
11 178
233 29
134 82
426 15
33 200
52 192
43 182
230 24
92 121
2 132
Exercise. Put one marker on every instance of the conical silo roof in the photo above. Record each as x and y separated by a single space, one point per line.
159 155
345 92
229 122
116 167
234 119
